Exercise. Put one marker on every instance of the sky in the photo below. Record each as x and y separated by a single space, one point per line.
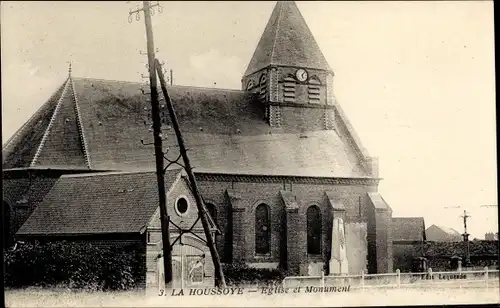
416 79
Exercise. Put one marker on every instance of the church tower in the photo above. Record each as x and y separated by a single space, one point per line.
290 74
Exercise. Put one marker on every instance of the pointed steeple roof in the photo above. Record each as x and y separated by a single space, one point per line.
287 41
52 137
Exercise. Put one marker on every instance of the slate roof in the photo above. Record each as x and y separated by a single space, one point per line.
21 148
378 201
408 229
440 233
449 231
224 129
287 41
98 203
334 201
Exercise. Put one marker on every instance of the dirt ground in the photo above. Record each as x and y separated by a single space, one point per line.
404 296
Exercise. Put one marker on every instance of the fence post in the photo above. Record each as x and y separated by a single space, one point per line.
398 278
323 281
362 280
486 276
429 273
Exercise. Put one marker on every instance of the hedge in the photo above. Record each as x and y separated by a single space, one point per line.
240 273
75 265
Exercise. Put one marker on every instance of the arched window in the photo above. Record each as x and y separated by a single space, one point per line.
313 230
262 230
6 225
250 85
212 210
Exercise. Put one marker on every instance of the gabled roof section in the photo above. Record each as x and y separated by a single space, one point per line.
98 203
449 231
51 138
287 41
21 148
408 229
210 219
102 126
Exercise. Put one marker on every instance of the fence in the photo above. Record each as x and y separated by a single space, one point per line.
485 278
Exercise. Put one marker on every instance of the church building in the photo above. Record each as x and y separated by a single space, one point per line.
286 179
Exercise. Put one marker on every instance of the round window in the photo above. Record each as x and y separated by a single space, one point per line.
181 206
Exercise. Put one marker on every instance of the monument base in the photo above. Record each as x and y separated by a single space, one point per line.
339 267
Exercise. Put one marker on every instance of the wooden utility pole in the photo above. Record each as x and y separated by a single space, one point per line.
155 112
220 282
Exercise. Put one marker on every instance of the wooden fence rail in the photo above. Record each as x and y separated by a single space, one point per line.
463 278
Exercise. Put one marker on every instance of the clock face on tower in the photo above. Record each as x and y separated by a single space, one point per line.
301 75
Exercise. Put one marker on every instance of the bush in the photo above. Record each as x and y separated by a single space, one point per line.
240 273
73 265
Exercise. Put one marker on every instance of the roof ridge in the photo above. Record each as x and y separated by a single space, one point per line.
168 86
352 135
312 35
111 173
276 30
81 132
51 123
18 132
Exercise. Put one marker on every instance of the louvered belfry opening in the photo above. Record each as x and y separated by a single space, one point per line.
263 87
314 93
289 89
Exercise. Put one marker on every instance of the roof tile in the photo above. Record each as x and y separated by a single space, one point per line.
287 41
97 203
224 129
408 228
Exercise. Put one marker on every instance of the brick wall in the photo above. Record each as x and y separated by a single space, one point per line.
252 194
300 116
379 238
302 119
301 92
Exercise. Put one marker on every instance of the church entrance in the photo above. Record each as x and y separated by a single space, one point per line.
188 267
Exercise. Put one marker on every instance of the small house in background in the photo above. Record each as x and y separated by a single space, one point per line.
490 236
408 237
442 234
